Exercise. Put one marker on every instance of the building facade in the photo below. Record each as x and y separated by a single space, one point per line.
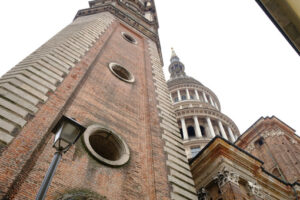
105 71
145 138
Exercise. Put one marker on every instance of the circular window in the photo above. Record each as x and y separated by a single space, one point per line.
121 72
129 38
106 146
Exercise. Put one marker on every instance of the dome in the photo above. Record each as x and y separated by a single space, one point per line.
183 80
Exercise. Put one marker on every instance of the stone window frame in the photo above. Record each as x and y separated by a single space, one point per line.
129 38
93 129
113 64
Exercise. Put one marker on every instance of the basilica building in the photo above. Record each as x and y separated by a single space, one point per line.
90 115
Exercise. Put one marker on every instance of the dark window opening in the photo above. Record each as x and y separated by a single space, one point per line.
181 133
121 72
129 38
183 97
191 132
106 146
203 131
258 143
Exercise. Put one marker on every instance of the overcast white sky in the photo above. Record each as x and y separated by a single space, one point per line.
230 46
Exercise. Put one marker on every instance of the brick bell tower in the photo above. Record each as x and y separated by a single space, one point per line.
104 70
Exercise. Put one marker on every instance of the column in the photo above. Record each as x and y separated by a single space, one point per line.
211 101
222 130
204 96
211 130
184 130
230 134
178 94
216 105
197 95
171 98
197 126
188 94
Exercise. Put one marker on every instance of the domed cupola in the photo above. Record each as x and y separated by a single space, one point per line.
197 109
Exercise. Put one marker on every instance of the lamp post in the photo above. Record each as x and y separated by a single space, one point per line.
67 131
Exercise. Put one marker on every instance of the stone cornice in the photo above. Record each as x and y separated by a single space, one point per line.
273 132
195 104
140 15
265 125
255 189
138 12
196 141
206 112
195 86
127 19
227 175
220 154
217 155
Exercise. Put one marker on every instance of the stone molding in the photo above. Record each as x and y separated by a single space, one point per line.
272 133
226 176
195 86
179 177
194 102
255 190
268 133
206 171
139 10
293 141
250 147
127 19
31 81
214 114
120 145
202 194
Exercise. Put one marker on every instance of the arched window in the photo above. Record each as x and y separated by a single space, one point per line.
203 131
191 132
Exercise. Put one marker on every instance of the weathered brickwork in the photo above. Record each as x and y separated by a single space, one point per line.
222 170
180 176
70 75
91 94
276 145
30 82
19 157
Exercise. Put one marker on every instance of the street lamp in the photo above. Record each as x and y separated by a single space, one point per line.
67 131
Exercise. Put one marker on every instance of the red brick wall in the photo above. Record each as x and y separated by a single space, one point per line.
281 152
100 98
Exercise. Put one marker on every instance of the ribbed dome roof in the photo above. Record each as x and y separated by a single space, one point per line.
178 76
182 80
